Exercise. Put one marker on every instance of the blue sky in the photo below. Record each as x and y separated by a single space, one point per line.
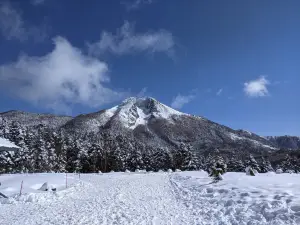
234 62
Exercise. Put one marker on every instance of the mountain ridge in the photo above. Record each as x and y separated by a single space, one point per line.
152 118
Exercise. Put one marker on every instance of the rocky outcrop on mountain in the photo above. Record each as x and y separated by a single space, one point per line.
285 142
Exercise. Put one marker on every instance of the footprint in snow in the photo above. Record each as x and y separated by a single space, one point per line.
289 200
295 208
245 194
209 190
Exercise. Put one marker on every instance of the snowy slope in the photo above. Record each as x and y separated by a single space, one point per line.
131 113
236 137
155 198
156 124
7 144
137 111
34 119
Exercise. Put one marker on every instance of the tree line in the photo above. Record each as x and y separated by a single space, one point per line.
46 150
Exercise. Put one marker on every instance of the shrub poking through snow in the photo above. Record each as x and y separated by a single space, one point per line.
250 171
218 170
216 174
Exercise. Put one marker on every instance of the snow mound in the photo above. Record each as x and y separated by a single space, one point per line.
47 187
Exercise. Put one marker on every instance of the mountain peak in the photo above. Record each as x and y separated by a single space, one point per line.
138 99
136 111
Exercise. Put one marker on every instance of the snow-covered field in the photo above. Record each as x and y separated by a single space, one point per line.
151 198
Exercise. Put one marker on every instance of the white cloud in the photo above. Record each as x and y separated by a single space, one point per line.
127 41
257 88
180 100
64 76
219 92
136 4
13 26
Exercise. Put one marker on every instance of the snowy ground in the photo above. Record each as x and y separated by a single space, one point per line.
152 198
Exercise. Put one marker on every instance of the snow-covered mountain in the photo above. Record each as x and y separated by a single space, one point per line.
150 122
130 114
138 133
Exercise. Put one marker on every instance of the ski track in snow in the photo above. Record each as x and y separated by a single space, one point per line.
160 198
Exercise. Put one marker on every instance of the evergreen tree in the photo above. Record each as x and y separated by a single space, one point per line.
253 163
286 164
265 166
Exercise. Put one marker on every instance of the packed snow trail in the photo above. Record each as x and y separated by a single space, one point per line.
105 199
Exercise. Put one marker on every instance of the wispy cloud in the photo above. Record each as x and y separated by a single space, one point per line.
136 4
61 78
180 100
219 92
257 88
142 93
13 26
127 41
37 2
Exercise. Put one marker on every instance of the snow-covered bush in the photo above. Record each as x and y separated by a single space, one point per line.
170 170
216 174
177 170
143 171
250 171
137 170
279 171
127 171
160 171
99 172
112 171
290 171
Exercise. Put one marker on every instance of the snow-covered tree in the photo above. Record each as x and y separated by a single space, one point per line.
253 163
265 166
236 165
